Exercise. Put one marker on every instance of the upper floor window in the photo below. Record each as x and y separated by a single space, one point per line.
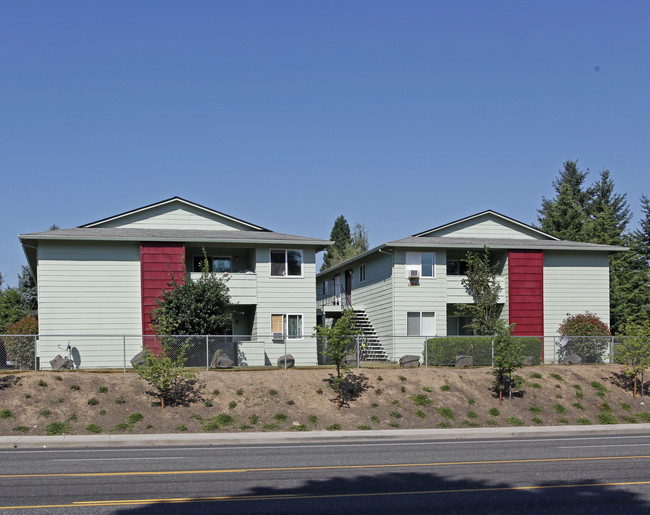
286 263
456 267
215 263
362 273
420 264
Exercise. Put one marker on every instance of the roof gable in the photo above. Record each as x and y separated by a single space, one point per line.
488 224
175 213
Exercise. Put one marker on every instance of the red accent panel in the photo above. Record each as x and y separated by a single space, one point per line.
526 291
158 261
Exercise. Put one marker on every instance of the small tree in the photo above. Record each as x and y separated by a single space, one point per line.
508 356
481 284
589 332
20 348
165 374
339 343
634 353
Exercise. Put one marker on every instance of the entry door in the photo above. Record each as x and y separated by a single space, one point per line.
337 290
348 287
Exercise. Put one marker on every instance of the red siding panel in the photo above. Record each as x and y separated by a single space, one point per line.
526 291
158 261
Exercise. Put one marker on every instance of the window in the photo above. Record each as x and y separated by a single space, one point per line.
287 325
457 267
420 323
423 264
215 263
286 263
362 273
458 326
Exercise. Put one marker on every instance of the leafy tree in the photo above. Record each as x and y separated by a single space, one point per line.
339 343
481 284
198 307
634 352
359 239
54 227
342 238
166 374
11 308
508 355
21 348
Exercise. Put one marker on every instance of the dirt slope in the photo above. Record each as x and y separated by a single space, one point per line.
272 400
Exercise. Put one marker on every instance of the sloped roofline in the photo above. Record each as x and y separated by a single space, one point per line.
488 212
168 201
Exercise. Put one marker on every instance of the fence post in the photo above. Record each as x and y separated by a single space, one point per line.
124 351
284 337
207 352
393 348
35 353
492 351
358 354
611 350
426 353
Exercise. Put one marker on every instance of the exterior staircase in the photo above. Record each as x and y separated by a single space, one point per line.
371 349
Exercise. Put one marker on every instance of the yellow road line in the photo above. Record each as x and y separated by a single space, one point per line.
325 467
131 502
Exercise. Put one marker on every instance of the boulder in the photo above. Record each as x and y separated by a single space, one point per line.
571 359
61 363
464 361
409 361
139 358
286 361
221 360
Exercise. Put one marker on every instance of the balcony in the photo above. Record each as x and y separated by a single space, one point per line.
456 293
241 285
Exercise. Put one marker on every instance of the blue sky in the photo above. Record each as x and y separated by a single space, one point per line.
399 115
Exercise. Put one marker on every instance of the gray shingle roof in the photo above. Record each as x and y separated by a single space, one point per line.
498 243
193 235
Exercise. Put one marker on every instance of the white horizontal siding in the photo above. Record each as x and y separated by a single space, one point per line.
241 287
574 282
375 294
175 216
456 293
487 226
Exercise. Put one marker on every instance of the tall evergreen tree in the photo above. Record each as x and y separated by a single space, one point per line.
565 215
608 213
342 238
641 236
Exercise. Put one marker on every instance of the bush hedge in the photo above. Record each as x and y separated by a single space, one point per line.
443 351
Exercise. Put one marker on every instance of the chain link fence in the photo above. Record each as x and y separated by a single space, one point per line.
91 352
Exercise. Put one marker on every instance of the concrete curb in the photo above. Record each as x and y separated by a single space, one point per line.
315 437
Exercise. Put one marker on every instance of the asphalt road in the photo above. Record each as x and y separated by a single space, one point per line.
574 475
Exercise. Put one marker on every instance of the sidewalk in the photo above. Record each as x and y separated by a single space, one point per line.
315 437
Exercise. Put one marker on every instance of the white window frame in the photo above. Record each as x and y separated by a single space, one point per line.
285 325
421 330
362 273
415 259
286 262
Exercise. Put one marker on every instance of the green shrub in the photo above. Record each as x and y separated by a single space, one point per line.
536 375
395 403
579 406
445 412
333 427
374 419
58 378
444 424
102 412
558 408
232 404
6 413
72 418
394 423
364 428
196 416
598 386
643 416
426 389
93 401
312 419
420 414
395 414
606 418
469 423
605 407
401 378
254 419
374 405
626 407
280 417
557 377
629 419
290 402
75 387
494 412
45 413
210 426
302 427
215 392
60 400
514 421
42 383
445 388
103 389
536 410
224 419
471 401
56 428
20 429
273 393
443 351
534 386
583 421
94 428
208 403
419 399
271 427
181 427
133 418
537 421
28 396
402 389
562 420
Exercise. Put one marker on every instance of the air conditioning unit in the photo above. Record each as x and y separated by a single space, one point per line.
414 274
277 336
